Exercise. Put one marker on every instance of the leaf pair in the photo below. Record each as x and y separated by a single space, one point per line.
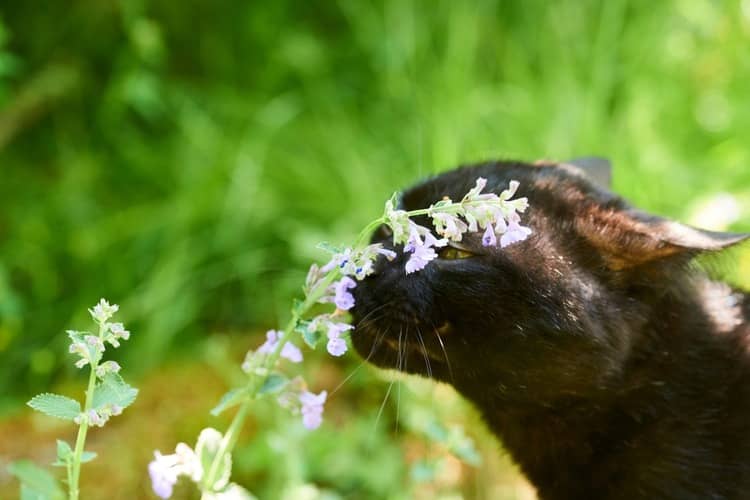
112 391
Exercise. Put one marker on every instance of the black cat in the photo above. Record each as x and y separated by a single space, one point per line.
608 365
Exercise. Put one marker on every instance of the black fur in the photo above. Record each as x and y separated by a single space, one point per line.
607 364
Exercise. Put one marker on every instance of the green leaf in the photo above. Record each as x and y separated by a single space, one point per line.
29 494
424 471
63 450
36 483
394 199
209 442
76 336
310 337
327 247
64 454
273 384
113 390
232 490
297 306
88 456
231 398
56 405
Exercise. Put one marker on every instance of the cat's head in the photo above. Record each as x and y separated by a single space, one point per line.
549 317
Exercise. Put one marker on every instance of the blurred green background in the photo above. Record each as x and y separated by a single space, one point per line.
182 159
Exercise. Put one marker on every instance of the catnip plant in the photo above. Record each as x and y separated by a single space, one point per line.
209 464
107 395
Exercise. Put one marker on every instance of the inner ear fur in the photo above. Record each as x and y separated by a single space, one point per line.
631 238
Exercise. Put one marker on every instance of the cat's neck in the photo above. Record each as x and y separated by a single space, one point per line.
668 420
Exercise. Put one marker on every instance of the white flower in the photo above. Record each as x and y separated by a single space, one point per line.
165 469
81 349
95 343
398 221
163 474
117 331
103 311
107 367
96 419
449 226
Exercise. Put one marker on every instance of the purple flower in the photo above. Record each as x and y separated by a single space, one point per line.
515 231
421 251
340 260
431 241
489 238
289 351
336 345
312 408
389 254
421 255
343 299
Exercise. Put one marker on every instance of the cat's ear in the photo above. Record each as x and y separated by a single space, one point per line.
597 169
629 239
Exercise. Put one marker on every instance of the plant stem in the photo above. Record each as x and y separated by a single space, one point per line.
230 436
75 472
367 230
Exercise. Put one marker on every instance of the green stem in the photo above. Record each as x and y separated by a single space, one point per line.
365 233
75 471
230 436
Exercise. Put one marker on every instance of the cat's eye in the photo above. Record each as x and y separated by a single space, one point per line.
453 253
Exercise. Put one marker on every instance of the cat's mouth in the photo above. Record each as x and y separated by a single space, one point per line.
410 348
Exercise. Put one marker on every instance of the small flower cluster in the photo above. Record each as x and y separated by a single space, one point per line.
496 214
312 408
90 349
165 470
100 416
289 351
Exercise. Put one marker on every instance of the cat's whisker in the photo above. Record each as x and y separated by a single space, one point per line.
390 386
445 353
424 353
368 316
378 339
382 405
376 343
398 394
